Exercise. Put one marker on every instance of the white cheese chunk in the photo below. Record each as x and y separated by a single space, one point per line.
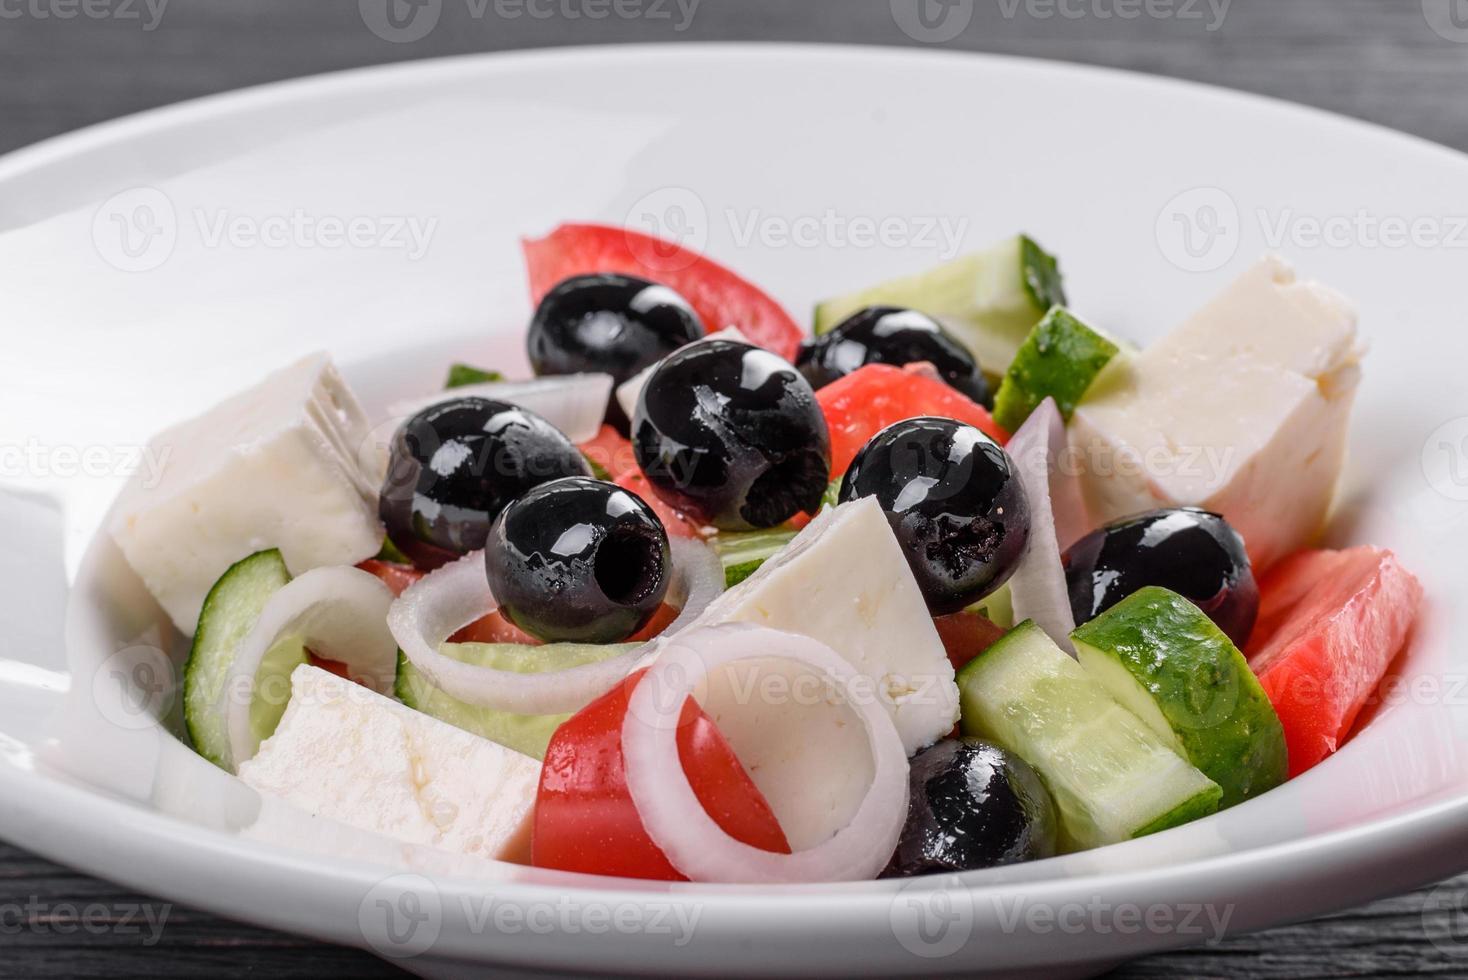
845 581
351 755
630 390
287 464
1243 410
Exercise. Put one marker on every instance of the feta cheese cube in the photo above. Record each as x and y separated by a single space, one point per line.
287 464
845 581
351 755
1243 411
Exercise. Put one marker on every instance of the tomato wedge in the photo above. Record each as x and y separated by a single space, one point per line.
611 451
585 819
674 522
965 635
871 398
721 298
1330 624
396 577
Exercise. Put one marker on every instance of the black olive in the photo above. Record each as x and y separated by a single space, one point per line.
453 467
611 324
896 336
578 561
733 436
955 502
972 805
1194 553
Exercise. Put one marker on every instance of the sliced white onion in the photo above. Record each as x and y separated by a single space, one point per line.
450 598
1038 586
630 390
574 403
340 614
671 813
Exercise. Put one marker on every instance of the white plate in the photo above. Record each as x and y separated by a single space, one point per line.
712 141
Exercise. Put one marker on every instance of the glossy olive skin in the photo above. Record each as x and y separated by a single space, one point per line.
452 468
955 502
1194 553
578 561
972 805
732 435
896 336
612 324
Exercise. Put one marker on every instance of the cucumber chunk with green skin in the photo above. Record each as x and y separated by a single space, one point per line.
1113 778
1060 359
528 734
230 611
1165 660
989 300
743 552
463 374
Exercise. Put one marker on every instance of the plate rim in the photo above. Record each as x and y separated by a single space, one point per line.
44 797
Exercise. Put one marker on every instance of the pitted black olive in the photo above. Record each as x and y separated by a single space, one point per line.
955 502
896 336
612 324
1194 553
972 805
733 436
452 468
578 561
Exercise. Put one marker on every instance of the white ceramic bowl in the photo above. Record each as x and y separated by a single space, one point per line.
153 264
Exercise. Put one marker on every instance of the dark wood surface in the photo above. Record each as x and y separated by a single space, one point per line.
1379 60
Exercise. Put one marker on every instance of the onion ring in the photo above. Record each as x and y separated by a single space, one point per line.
340 613
672 814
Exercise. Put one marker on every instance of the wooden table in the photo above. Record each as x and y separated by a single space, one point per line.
1379 60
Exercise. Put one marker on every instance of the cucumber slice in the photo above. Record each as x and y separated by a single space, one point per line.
463 374
997 608
1060 359
528 734
988 300
230 611
743 552
1163 658
1112 776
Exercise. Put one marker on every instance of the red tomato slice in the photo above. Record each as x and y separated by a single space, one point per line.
1331 622
610 451
965 635
585 819
721 298
871 398
330 666
677 525
396 577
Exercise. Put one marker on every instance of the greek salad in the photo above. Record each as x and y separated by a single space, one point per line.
953 580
